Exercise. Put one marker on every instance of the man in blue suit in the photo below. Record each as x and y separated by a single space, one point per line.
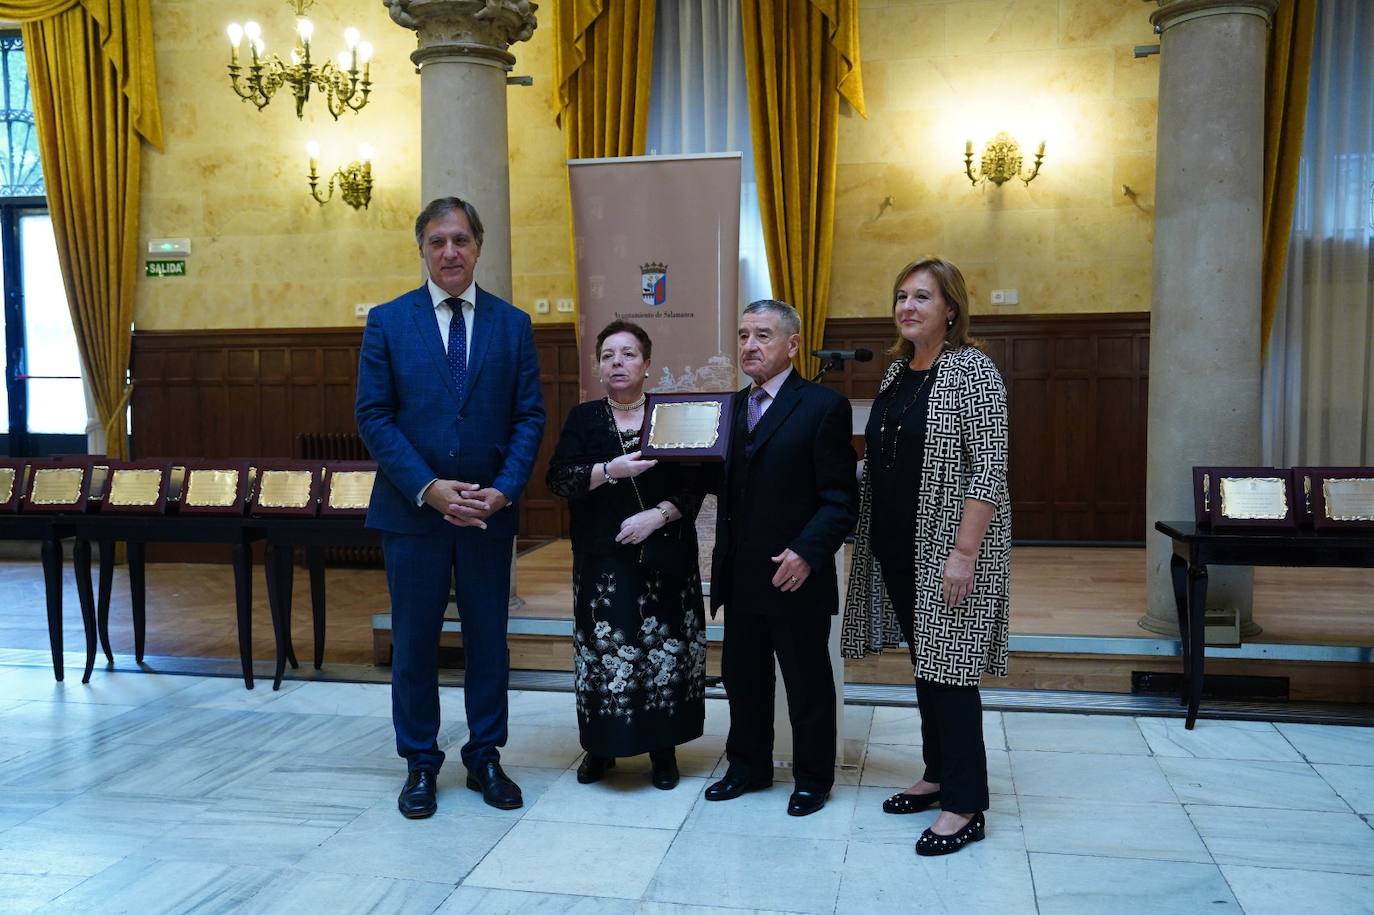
450 408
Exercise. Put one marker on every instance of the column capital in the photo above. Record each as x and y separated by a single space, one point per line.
480 31
1176 12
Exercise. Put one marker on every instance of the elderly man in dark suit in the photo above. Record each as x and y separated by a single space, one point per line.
449 405
787 501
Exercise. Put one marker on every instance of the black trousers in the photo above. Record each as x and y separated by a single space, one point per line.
951 716
801 645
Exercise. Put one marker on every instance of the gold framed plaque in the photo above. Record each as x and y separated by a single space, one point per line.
58 485
287 488
1244 497
687 426
1337 498
11 473
135 487
210 487
348 487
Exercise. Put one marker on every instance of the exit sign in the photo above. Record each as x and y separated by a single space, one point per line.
165 268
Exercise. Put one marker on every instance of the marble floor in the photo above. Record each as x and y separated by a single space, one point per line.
157 793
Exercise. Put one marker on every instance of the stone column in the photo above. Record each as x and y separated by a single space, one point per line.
1205 323
463 59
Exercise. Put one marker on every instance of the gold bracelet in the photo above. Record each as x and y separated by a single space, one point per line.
667 518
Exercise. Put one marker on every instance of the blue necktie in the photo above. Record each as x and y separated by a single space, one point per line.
458 346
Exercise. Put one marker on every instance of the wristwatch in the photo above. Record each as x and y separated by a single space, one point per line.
664 512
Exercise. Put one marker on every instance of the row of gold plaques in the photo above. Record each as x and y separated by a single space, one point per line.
1322 498
225 487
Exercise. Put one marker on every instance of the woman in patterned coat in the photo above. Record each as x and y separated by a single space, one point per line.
932 558
639 636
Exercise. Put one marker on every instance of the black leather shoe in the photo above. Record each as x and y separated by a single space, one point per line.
665 775
930 844
594 768
417 797
803 802
495 785
902 802
732 786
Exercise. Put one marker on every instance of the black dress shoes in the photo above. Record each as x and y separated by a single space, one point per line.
417 797
664 775
931 844
803 802
732 786
495 785
593 768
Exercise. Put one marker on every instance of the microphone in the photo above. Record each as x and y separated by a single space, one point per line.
862 354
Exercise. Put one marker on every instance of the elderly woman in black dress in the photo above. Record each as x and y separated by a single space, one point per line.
640 637
934 513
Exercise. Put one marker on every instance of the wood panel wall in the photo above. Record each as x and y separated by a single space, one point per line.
1077 392
1076 386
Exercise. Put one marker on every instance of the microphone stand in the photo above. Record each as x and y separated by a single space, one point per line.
833 363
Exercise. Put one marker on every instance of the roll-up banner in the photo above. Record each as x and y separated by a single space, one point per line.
657 243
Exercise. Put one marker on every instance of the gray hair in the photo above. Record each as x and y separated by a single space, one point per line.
438 209
787 315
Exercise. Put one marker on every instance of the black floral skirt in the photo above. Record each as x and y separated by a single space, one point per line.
639 648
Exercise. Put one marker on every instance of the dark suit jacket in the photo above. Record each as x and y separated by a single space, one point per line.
418 429
791 486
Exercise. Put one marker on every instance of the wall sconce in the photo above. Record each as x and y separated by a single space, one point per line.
355 179
345 87
1001 161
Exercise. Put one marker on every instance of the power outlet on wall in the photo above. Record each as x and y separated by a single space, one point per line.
361 309
541 306
565 305
1005 297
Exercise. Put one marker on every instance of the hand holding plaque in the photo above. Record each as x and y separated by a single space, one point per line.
687 427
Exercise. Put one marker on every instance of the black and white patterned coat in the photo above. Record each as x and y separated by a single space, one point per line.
965 457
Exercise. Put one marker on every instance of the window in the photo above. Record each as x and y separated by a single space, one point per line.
44 410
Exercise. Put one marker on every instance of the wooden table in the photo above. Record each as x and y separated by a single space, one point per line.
1195 549
236 532
283 534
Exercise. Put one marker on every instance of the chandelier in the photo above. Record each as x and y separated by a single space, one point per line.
354 179
345 87
1001 161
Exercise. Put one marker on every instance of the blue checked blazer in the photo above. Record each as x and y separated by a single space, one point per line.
418 429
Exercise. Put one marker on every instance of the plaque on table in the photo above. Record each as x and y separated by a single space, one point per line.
1244 497
57 487
136 488
347 487
687 426
287 488
1336 498
11 484
212 487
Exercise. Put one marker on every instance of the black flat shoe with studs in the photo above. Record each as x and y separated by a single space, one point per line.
902 802
930 844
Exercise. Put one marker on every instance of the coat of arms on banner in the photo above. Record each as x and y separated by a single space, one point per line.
653 283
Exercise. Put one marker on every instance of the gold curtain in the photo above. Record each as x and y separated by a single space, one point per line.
604 64
799 59
1287 71
94 83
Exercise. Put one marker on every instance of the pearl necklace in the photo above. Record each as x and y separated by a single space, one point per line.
626 407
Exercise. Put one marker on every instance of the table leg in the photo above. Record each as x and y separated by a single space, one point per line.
52 588
81 562
243 602
314 559
1178 570
102 604
277 600
137 551
1197 636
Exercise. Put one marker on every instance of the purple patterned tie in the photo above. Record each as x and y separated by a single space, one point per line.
458 346
756 397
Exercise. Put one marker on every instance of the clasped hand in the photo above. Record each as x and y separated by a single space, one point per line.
464 504
638 527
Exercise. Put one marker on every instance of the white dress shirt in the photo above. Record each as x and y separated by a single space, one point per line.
443 312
